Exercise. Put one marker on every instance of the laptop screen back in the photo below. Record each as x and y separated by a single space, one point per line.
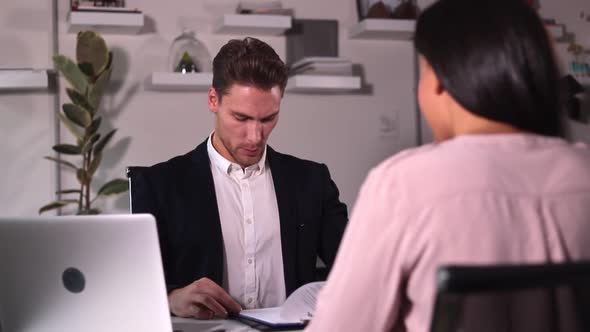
82 273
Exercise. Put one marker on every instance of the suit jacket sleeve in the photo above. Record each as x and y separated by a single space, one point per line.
335 218
144 200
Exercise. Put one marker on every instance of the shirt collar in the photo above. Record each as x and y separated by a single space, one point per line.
225 165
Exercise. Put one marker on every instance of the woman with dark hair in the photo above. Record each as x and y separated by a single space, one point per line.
499 185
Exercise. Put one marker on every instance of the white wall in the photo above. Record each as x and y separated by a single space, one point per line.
350 133
345 132
26 118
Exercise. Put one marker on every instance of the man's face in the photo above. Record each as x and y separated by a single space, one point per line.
244 118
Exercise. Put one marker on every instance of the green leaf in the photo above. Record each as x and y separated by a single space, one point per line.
77 115
68 191
67 149
92 49
110 62
56 205
71 72
93 128
97 89
78 99
83 177
70 126
90 142
101 144
94 163
116 186
87 69
61 162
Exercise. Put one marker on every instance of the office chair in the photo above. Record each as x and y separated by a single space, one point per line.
134 186
543 297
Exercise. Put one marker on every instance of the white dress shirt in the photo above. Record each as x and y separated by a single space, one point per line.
253 261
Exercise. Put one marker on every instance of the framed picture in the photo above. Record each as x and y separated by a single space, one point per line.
394 9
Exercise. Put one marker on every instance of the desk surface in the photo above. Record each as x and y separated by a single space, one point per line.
214 325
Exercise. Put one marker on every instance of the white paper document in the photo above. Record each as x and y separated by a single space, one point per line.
297 310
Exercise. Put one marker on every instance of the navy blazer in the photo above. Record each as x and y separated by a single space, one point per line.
181 195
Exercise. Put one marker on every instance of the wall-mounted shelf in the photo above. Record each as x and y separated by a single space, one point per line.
247 24
106 22
374 28
323 84
23 79
166 81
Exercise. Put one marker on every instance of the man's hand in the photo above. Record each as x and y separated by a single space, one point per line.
203 299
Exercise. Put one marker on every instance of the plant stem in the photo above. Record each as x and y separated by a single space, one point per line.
81 198
87 168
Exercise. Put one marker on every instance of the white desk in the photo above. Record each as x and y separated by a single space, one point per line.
214 325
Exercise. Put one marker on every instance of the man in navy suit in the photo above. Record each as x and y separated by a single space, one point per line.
240 225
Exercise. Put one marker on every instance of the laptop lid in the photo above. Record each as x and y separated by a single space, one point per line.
82 273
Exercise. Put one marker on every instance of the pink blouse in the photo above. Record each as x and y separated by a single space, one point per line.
475 199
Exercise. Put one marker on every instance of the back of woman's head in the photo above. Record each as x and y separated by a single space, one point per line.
495 58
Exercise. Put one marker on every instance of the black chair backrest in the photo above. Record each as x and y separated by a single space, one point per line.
543 297
133 172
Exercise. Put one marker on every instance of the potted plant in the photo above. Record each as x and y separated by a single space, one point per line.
88 78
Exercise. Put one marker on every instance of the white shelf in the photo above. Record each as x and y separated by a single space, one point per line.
323 84
167 81
556 31
247 24
23 79
375 28
105 22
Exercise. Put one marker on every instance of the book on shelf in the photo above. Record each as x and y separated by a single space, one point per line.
318 59
322 66
105 9
297 310
323 69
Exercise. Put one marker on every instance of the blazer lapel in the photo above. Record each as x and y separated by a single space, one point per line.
205 206
286 201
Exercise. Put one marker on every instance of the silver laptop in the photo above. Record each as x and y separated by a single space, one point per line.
91 273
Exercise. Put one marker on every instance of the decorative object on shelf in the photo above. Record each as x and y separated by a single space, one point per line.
387 9
259 7
187 54
88 77
407 10
579 65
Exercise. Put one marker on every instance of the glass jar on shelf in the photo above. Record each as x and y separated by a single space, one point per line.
188 54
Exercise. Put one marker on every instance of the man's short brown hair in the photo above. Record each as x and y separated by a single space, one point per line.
249 62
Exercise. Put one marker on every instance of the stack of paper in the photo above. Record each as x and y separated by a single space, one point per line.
297 310
322 66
